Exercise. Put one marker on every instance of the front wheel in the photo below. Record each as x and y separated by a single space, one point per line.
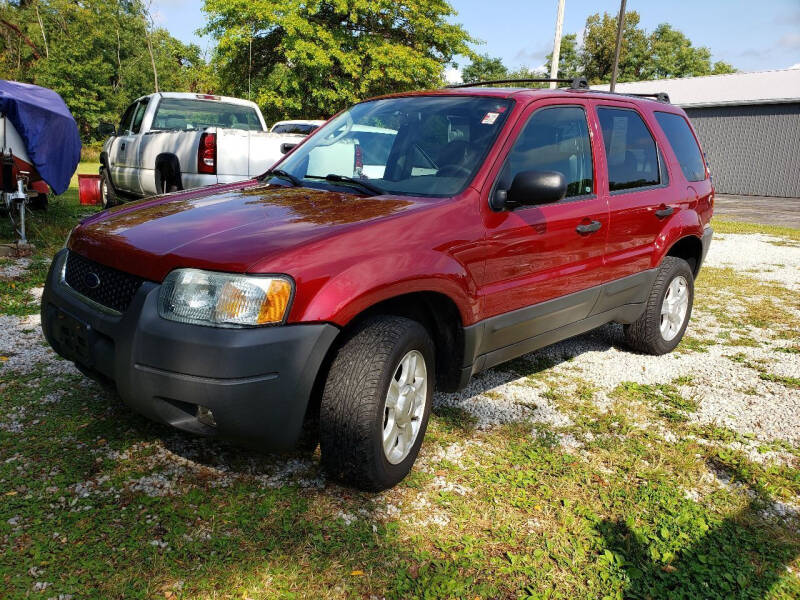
108 196
376 403
669 307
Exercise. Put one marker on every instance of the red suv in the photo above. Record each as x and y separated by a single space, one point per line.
411 242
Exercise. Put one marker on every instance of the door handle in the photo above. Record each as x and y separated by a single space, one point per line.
664 211
588 227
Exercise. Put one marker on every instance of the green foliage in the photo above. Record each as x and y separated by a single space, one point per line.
569 58
666 52
484 68
95 54
311 59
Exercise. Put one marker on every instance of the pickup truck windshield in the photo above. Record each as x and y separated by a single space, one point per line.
416 146
185 114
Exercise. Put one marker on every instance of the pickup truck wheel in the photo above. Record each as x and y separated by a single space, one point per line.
165 181
669 308
376 403
108 196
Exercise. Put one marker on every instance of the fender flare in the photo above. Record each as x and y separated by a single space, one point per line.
174 165
349 293
684 224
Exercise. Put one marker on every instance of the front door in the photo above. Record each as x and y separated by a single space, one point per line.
540 259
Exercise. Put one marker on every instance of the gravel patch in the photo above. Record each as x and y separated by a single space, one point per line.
764 257
14 268
23 347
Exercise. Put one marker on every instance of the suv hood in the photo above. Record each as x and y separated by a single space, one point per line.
226 228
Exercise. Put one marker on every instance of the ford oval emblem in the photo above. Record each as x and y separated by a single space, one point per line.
92 280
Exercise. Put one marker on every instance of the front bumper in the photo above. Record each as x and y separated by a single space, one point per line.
256 381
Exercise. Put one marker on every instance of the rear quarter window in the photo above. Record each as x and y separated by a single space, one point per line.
680 137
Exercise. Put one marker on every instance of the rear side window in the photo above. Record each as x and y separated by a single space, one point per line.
554 139
631 151
683 144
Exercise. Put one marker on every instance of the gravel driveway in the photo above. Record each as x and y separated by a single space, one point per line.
727 381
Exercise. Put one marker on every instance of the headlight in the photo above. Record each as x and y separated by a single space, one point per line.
224 300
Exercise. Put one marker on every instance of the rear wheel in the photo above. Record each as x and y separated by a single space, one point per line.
669 308
376 403
166 181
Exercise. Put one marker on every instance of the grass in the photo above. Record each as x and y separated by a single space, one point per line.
789 233
98 502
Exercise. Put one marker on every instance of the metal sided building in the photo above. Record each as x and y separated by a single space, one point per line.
748 124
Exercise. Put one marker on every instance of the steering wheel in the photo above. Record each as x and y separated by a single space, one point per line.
453 171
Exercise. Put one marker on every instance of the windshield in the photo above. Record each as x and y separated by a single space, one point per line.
419 146
182 114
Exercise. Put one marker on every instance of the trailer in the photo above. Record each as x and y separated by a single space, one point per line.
40 150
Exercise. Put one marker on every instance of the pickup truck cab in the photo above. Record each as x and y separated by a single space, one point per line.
172 141
413 241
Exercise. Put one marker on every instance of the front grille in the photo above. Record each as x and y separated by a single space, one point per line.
114 290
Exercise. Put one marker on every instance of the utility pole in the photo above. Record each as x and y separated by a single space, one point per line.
557 44
620 28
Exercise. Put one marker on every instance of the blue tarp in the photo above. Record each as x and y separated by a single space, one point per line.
47 128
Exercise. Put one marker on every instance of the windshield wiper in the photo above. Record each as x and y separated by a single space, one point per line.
371 188
283 175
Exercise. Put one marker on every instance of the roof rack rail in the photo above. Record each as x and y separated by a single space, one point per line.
660 96
576 83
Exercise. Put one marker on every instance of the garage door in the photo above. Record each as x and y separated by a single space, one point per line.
752 150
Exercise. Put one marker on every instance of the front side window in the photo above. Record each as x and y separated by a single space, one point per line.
554 139
127 118
138 116
684 145
188 114
417 146
631 152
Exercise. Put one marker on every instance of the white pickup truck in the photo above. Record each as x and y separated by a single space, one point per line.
173 141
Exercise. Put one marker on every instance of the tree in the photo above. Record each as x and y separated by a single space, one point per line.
312 58
599 39
569 58
666 52
94 55
484 68
672 55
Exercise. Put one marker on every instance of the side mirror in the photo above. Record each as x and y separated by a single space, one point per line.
287 147
530 188
106 129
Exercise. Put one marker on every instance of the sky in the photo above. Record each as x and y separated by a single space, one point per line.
752 36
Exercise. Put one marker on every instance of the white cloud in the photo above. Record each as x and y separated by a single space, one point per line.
453 75
795 66
790 40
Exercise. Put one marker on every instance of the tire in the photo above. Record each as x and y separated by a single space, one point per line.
166 182
108 195
646 334
353 412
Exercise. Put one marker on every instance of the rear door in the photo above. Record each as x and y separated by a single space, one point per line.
639 196
537 254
